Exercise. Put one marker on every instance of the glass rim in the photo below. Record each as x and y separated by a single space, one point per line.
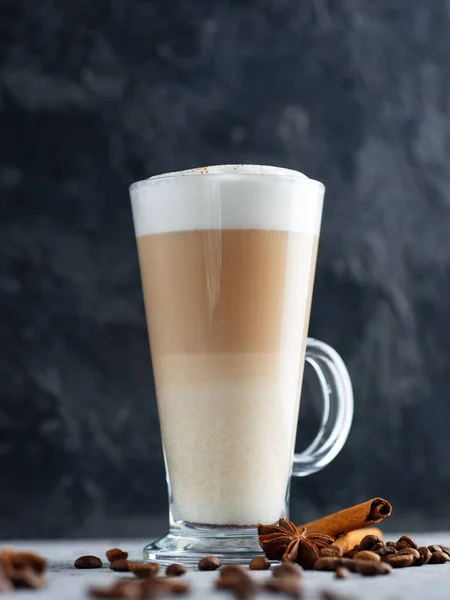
149 181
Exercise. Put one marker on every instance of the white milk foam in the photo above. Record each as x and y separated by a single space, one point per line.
238 197
233 464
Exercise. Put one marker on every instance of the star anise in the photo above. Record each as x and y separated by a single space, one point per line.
285 542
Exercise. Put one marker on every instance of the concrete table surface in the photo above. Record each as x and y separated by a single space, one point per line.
64 582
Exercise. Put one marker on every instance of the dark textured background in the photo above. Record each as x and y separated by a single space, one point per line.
94 95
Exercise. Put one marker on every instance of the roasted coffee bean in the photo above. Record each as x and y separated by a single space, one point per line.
116 554
5 582
342 573
128 588
371 568
434 548
368 542
350 563
405 539
236 579
233 570
115 591
156 587
145 570
88 562
351 553
26 577
230 580
209 563
259 563
331 551
367 555
328 563
19 560
445 549
287 569
122 565
179 588
378 546
412 551
398 561
289 586
438 558
393 544
329 595
175 570
401 545
161 586
382 552
424 557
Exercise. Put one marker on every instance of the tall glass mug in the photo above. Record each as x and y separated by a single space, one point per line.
227 257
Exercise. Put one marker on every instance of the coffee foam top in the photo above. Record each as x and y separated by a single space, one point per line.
227 197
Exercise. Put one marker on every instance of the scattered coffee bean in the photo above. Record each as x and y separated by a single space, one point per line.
209 563
401 545
405 539
424 556
412 551
367 555
239 584
119 589
135 589
230 580
287 569
5 582
158 586
288 586
21 570
434 548
145 570
342 573
382 552
175 570
233 570
445 549
393 544
179 588
378 546
351 553
259 563
399 561
368 542
438 558
19 560
331 551
243 589
122 565
88 562
26 577
328 563
116 554
328 595
236 580
371 568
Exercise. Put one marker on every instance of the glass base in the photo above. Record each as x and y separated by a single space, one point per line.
191 543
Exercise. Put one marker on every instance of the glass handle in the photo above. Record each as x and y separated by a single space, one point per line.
337 415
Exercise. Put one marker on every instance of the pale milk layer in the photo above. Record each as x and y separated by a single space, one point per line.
229 444
228 197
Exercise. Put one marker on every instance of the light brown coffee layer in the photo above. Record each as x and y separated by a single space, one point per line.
226 291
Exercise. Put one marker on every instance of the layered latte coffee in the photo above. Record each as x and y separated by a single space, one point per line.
227 291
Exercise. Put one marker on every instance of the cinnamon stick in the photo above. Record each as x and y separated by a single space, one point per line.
352 538
356 517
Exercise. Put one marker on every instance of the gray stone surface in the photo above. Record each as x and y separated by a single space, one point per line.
431 582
